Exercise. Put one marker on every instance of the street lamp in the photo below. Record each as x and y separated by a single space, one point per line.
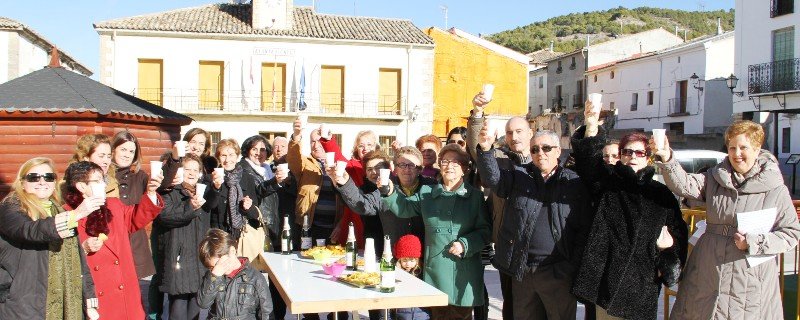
696 81
732 81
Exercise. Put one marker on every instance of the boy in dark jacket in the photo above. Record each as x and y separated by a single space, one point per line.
245 295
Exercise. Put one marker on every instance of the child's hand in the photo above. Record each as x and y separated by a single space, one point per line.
221 268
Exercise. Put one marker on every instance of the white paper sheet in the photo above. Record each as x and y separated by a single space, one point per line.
757 222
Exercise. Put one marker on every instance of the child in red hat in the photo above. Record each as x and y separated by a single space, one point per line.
408 251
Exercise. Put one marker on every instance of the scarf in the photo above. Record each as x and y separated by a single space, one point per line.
64 279
235 219
190 189
97 221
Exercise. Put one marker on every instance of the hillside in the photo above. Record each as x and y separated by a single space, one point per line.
569 31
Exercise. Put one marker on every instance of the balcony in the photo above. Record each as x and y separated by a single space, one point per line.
559 104
776 76
577 101
199 101
780 7
677 106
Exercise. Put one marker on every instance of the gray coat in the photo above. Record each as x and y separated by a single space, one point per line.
717 282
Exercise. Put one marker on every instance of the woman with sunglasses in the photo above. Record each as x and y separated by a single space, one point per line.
638 238
104 235
43 271
719 282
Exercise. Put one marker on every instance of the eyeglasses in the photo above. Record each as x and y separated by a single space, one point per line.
445 163
36 177
403 165
631 152
545 148
609 156
459 142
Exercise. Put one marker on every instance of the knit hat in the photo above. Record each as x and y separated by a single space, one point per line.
408 246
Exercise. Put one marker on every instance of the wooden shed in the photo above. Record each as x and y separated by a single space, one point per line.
43 114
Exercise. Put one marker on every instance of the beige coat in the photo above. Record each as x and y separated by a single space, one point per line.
717 282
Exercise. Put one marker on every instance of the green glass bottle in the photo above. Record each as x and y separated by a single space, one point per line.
387 267
286 237
350 254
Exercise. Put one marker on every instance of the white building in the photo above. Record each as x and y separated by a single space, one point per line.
239 76
681 88
537 81
767 62
24 51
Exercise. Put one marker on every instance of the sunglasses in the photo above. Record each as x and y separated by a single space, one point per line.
631 152
459 142
35 177
545 148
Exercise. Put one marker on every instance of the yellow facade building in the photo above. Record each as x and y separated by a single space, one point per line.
463 63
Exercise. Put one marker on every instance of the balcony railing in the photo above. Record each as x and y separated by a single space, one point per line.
577 101
678 106
781 7
202 100
776 76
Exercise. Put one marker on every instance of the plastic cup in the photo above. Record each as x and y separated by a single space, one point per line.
369 255
179 175
330 159
181 146
303 120
493 129
155 169
340 166
220 172
283 167
488 91
324 131
385 176
98 190
659 136
597 100
200 189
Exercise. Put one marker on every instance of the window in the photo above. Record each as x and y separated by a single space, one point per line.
558 100
215 138
332 89
386 144
273 84
676 128
389 91
786 141
783 63
541 109
783 44
612 74
578 100
595 78
634 101
649 98
572 65
212 82
558 70
151 81
781 7
611 105
541 82
270 136
679 59
338 137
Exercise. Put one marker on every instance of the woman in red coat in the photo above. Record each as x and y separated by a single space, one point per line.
104 236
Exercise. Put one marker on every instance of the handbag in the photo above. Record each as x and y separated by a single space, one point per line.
252 241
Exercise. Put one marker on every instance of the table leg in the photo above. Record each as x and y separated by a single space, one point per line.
385 314
335 315
298 317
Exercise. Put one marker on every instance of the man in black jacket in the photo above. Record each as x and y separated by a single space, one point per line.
541 239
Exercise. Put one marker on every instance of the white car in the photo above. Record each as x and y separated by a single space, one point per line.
694 161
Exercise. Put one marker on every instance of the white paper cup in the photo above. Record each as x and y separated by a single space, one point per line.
324 131
155 169
220 171
330 159
493 129
597 101
98 190
181 146
283 167
369 255
340 166
385 176
303 120
659 136
320 242
179 175
488 91
200 189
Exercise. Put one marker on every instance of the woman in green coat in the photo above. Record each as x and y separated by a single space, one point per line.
456 229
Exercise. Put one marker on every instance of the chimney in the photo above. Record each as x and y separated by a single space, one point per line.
267 15
551 45
587 40
55 59
684 35
676 31
719 26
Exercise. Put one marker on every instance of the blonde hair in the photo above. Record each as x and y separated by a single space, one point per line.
227 143
410 151
751 130
361 134
87 144
30 204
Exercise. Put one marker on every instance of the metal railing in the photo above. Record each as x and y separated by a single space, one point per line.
776 76
200 100
679 105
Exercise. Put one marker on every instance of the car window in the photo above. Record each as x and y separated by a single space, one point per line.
687 165
704 163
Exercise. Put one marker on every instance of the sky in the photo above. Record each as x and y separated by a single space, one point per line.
68 24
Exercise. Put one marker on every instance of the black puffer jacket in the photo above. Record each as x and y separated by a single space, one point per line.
266 198
244 297
181 230
525 192
621 265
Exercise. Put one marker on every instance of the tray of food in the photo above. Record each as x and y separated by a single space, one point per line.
359 261
362 279
329 251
